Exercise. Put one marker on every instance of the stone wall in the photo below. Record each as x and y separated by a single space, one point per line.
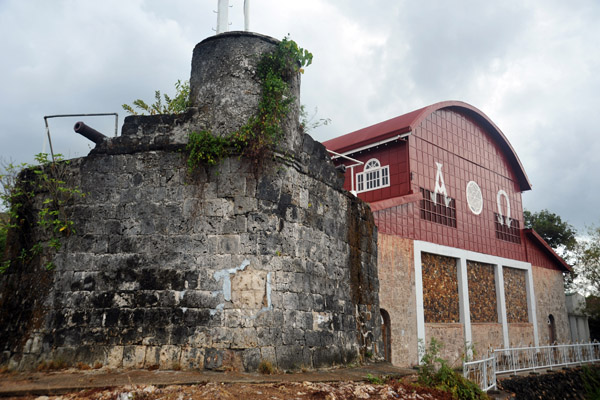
452 337
486 336
219 269
521 335
547 284
397 296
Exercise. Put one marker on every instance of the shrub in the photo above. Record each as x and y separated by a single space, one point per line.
435 372
175 105
266 368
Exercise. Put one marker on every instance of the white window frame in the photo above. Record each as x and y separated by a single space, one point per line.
373 177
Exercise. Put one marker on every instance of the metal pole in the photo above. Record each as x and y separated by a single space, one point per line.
222 16
247 15
48 134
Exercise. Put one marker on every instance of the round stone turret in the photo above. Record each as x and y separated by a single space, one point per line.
226 88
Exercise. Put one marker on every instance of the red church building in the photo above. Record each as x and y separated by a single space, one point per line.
455 263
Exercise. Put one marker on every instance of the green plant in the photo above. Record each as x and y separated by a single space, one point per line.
376 380
204 148
175 105
591 381
263 130
309 122
266 367
3 235
435 372
20 185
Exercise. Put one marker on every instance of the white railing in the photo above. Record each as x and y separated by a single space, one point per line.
513 360
482 372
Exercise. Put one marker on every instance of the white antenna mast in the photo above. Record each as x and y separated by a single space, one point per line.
246 15
222 16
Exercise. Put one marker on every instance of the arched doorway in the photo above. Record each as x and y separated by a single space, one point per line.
386 332
551 329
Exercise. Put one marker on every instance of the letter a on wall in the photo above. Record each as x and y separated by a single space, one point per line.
440 186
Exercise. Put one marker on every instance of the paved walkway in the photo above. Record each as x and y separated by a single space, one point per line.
60 382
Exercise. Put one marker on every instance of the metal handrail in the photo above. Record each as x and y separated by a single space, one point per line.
519 359
47 117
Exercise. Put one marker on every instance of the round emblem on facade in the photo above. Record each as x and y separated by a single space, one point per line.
474 197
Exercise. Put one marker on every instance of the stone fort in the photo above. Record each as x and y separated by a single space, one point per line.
219 269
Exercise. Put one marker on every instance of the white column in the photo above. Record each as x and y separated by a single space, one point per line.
531 305
501 299
419 300
465 311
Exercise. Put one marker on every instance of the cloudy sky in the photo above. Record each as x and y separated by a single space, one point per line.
531 65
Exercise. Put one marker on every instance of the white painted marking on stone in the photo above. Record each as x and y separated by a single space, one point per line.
224 274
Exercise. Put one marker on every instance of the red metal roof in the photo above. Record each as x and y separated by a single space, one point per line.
541 243
407 122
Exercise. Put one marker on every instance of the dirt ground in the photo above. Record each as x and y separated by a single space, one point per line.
250 391
333 384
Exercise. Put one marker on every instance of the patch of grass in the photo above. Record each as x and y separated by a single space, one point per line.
83 366
266 368
176 366
376 380
52 365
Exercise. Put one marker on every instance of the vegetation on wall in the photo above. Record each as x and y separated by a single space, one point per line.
171 105
20 185
263 130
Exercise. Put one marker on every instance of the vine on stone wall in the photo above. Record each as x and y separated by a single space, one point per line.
264 130
20 185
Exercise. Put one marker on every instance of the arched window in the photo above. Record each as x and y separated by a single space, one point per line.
373 177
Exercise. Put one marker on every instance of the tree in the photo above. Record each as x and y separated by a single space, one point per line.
587 256
3 234
559 234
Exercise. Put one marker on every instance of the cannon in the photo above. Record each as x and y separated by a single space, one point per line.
89 133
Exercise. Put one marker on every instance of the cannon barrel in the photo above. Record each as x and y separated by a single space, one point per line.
88 132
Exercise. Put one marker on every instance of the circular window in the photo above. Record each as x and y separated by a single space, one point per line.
474 197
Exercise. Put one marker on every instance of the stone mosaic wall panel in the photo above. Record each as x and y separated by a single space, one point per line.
440 289
482 292
515 292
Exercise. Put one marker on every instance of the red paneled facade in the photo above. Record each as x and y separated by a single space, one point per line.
466 152
445 178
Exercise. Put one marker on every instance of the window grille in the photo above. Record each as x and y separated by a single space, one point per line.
437 211
509 233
